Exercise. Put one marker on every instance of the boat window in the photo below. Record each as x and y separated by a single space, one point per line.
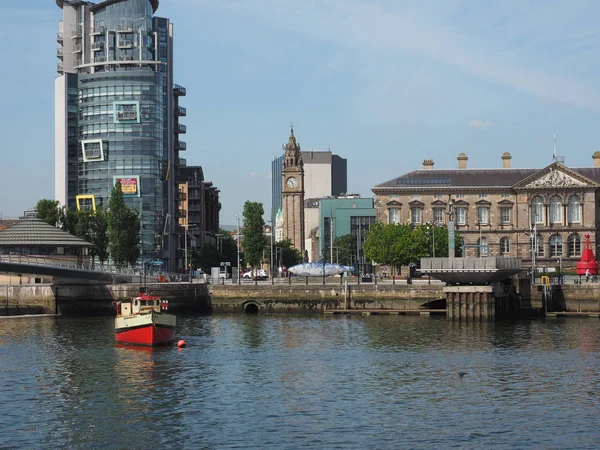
136 303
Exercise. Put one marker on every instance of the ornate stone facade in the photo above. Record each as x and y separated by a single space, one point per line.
498 209
292 177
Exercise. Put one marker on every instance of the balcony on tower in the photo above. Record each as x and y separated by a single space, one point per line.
126 43
97 30
180 111
179 90
97 46
180 145
59 53
181 129
181 196
126 27
182 161
59 37
76 34
181 214
59 68
77 48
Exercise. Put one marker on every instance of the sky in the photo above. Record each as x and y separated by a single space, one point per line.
385 84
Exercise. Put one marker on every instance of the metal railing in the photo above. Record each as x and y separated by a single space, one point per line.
45 261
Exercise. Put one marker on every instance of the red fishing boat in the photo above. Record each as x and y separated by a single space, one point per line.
143 321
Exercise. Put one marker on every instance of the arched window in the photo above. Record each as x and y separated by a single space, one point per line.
555 209
574 245
537 210
504 246
555 245
539 245
484 249
574 209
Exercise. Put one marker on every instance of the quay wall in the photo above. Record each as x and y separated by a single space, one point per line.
96 299
571 298
318 298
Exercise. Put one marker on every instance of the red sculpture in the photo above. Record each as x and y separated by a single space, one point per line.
587 261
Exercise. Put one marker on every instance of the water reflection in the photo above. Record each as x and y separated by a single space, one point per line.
303 382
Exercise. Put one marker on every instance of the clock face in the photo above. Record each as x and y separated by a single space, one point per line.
292 182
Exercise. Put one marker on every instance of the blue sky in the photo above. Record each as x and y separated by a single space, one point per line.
385 83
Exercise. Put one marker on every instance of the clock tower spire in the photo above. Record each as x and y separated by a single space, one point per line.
292 173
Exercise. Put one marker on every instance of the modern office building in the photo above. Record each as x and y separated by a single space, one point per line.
325 175
117 115
540 215
342 216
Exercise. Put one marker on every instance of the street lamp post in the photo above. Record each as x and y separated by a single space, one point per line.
271 259
239 281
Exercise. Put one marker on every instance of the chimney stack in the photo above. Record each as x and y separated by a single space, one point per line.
506 160
462 161
428 164
596 158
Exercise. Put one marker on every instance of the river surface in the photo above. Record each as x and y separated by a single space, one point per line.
302 382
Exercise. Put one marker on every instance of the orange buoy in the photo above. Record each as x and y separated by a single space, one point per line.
181 343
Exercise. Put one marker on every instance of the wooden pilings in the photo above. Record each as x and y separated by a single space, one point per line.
470 303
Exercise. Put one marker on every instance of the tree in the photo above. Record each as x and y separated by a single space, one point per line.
254 240
397 244
98 235
342 250
123 229
68 220
287 255
49 211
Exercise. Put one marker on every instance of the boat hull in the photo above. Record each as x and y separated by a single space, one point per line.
146 329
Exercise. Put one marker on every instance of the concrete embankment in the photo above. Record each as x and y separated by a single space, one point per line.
318 298
96 299
570 298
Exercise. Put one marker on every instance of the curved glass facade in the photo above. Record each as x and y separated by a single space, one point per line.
121 135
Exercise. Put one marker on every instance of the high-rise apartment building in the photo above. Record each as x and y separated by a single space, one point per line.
117 117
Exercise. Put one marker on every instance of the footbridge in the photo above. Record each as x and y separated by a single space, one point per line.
67 270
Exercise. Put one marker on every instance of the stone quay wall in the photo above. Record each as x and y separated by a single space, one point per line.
318 298
97 299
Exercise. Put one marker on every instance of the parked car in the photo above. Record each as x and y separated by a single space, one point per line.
256 274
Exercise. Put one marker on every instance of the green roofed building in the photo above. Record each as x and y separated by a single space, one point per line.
35 237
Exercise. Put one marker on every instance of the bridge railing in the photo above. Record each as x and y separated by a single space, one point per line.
137 272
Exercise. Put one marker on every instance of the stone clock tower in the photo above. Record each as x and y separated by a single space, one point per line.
292 173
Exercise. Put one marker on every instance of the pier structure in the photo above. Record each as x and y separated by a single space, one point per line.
476 288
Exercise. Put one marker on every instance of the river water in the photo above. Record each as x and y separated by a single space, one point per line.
287 382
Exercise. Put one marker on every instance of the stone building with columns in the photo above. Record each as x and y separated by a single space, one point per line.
496 210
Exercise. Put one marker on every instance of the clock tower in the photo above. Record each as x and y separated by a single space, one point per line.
292 174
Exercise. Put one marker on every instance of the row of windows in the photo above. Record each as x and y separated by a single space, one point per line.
538 209
556 214
555 246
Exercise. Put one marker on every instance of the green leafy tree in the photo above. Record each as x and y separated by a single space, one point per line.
342 250
123 230
98 235
49 211
206 257
68 220
254 240
287 255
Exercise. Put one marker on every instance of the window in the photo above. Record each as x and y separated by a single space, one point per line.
460 195
438 215
505 215
555 245
555 209
574 209
415 196
504 246
438 196
574 245
483 195
482 215
537 210
394 196
461 216
538 244
394 215
505 195
415 215
484 249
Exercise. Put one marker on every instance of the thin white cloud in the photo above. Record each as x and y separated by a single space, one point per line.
382 32
477 124
252 174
